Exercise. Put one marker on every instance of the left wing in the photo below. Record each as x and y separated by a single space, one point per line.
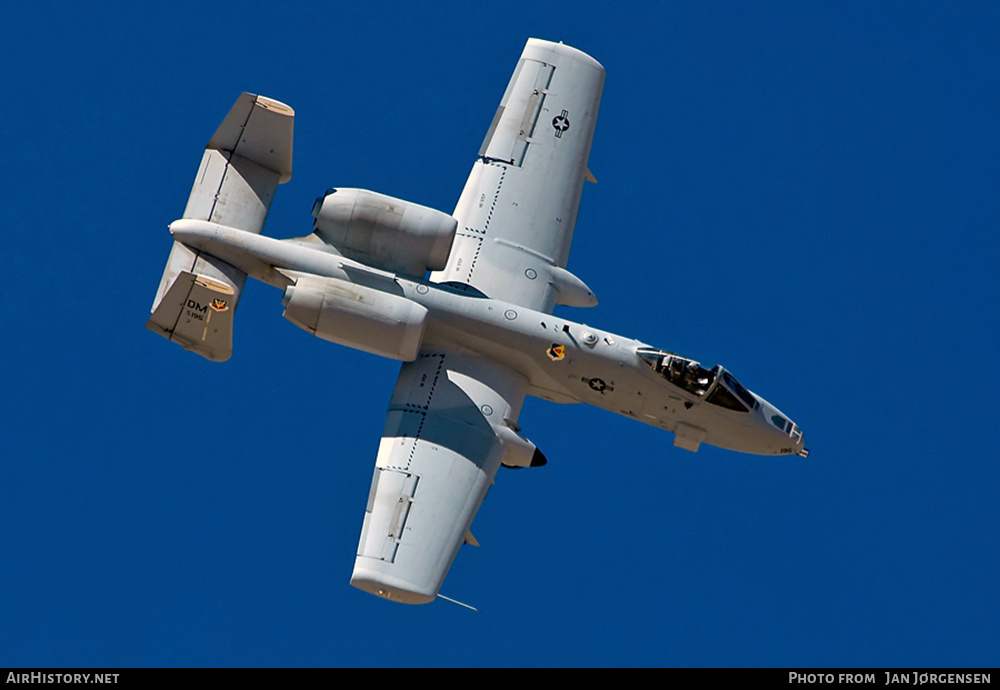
518 209
451 423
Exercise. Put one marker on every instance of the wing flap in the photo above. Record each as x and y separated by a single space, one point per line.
514 123
386 514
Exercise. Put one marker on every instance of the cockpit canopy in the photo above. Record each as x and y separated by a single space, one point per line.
716 385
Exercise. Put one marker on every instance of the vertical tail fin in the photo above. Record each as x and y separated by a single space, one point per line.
247 158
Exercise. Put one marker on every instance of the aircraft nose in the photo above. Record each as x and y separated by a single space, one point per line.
788 433
800 443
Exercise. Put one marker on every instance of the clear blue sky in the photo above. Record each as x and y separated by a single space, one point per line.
803 192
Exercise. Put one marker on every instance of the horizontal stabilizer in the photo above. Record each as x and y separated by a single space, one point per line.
249 155
197 314
247 158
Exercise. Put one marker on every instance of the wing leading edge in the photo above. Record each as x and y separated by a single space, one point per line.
449 427
517 212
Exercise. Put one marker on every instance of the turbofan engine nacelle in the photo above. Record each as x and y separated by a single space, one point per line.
357 316
384 232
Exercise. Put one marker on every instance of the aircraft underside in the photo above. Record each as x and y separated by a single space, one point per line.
464 301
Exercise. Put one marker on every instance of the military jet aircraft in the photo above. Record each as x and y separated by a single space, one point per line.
475 336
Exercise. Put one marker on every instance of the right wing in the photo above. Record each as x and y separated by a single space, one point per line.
451 423
518 209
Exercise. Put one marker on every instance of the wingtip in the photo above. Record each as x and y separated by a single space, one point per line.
539 45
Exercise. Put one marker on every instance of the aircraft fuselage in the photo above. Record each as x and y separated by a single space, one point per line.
562 360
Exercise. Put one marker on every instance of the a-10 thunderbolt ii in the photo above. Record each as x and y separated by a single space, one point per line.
475 336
